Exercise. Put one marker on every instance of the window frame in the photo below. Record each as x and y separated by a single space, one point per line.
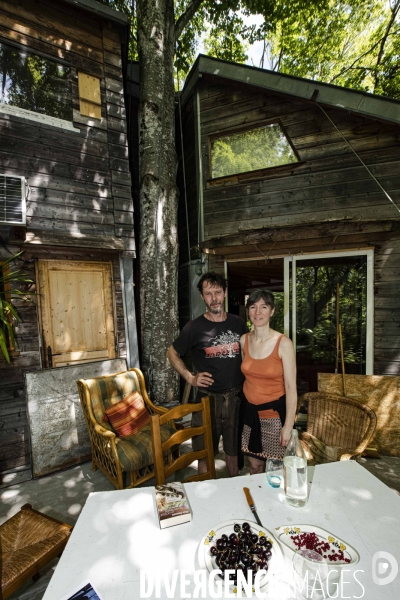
241 129
31 115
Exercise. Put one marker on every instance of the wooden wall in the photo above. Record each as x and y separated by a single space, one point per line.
14 431
328 201
328 184
387 308
80 205
80 181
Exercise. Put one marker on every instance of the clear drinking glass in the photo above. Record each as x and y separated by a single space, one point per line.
310 571
274 472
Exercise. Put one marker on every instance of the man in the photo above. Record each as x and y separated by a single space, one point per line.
213 339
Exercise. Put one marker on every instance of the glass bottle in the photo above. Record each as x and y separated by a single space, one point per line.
295 472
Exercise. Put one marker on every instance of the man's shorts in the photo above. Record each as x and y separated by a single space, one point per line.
224 412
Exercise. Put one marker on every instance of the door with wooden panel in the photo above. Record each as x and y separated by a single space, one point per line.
77 311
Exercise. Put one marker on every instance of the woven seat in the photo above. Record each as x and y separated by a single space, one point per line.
114 455
28 541
339 423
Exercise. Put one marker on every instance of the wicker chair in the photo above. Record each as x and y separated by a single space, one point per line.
164 469
338 421
28 541
113 455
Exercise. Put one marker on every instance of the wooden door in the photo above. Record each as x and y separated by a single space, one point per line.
76 309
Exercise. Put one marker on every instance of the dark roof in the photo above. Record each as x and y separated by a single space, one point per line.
101 9
371 105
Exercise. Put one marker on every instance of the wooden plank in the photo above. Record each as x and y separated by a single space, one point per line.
58 18
117 111
113 58
114 85
93 240
23 26
38 210
116 124
24 164
51 138
77 156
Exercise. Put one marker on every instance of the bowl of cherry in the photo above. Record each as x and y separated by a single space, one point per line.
241 547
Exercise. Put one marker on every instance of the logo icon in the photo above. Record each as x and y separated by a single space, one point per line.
384 568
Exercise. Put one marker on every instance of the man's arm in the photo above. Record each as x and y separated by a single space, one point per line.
200 380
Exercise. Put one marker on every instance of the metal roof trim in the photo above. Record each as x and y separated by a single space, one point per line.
363 103
100 9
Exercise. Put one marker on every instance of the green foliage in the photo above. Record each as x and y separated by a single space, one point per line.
352 43
259 148
8 314
316 311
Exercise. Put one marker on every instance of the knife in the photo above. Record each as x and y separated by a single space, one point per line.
252 506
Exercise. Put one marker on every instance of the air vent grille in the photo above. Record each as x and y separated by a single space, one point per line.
12 200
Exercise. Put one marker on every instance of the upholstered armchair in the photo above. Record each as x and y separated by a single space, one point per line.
118 457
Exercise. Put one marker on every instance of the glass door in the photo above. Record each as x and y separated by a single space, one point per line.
322 292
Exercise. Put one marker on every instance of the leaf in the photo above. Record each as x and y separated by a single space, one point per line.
3 346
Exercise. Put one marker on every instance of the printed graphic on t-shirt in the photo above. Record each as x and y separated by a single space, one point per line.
225 345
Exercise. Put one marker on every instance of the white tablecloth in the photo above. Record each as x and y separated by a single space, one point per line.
117 534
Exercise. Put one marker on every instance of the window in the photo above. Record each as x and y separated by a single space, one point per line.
35 83
250 150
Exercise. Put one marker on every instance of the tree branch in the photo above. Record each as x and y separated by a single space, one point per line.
186 17
392 19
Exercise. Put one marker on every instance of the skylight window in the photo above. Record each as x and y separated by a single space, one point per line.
250 150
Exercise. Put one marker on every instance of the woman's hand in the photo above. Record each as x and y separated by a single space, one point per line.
286 432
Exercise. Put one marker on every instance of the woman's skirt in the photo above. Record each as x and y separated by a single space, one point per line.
270 433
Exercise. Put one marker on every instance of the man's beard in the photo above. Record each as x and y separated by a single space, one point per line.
216 309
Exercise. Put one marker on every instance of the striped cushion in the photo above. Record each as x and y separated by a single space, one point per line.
108 390
136 451
128 416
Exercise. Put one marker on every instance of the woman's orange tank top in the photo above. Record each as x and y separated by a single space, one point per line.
264 378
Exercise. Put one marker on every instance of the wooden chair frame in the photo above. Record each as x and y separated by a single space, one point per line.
339 408
104 442
163 469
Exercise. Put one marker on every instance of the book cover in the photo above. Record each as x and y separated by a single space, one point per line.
85 592
172 504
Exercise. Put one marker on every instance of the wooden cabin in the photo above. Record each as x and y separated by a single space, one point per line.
293 185
65 194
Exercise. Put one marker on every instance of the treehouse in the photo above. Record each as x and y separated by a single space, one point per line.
293 185
65 196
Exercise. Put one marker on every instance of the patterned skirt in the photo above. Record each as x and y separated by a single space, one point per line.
270 432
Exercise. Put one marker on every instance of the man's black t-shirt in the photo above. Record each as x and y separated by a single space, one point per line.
215 348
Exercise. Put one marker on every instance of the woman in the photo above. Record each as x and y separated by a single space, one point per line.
269 367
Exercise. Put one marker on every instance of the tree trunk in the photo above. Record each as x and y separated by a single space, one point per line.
158 196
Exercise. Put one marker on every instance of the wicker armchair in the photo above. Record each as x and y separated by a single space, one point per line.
113 455
339 423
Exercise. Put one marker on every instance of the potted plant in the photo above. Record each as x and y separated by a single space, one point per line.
8 313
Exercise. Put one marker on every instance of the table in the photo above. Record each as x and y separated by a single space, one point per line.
117 533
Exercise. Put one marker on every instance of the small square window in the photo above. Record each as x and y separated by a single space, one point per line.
250 150
35 83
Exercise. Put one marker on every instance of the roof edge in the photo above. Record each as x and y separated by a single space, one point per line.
100 9
363 103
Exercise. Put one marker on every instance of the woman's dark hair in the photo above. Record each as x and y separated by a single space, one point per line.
213 279
257 295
